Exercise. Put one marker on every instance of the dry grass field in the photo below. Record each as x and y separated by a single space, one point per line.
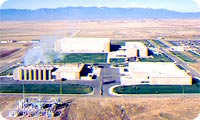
130 29
175 108
11 52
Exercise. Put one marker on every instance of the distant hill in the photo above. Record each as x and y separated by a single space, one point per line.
93 13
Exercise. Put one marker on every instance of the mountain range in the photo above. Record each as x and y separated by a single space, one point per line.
93 13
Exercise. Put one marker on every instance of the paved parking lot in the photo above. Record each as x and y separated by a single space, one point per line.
192 44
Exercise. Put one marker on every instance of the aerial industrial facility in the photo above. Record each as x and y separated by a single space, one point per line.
55 72
135 73
154 73
82 45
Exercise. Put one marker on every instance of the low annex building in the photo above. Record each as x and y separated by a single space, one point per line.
154 74
82 45
69 71
55 72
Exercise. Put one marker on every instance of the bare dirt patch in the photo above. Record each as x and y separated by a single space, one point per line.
10 52
135 108
150 108
5 53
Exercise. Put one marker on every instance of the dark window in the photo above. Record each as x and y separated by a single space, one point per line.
32 74
138 53
22 74
144 81
42 77
27 75
125 70
47 74
37 75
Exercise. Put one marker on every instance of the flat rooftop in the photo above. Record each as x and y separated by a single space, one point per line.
157 69
84 40
47 67
134 45
60 68
70 68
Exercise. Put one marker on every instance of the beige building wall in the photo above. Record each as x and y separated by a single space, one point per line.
135 78
16 74
155 74
143 52
171 80
68 75
82 45
133 48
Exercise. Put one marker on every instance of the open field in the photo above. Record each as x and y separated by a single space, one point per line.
135 108
130 29
11 52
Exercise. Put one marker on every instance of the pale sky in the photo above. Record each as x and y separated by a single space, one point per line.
175 5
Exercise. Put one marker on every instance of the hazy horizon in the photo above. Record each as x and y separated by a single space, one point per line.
173 5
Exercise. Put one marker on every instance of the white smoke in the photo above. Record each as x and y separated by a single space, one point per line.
41 52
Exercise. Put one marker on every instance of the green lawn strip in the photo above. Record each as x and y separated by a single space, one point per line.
157 89
117 60
45 88
157 58
83 58
11 88
77 89
182 56
122 42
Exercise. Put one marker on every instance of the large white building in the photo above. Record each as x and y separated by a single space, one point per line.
154 73
82 45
